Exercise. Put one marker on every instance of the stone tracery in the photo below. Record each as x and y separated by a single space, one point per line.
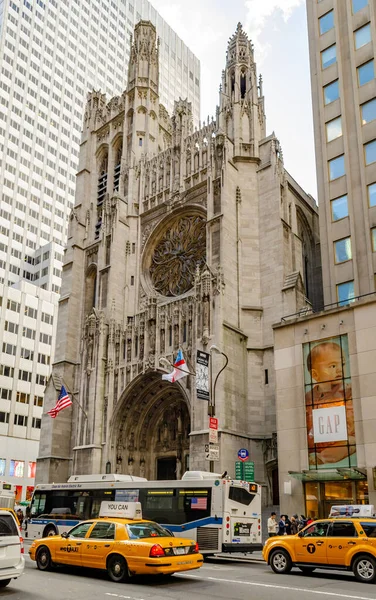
177 255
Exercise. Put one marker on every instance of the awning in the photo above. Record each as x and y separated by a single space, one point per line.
329 474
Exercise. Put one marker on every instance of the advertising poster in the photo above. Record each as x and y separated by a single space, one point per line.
329 404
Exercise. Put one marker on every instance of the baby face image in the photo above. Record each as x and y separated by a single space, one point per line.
325 362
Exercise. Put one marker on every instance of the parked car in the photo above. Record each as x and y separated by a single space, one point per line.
12 560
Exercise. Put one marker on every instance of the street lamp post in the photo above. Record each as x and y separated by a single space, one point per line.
211 406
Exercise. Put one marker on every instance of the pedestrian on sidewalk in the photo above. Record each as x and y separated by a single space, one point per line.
293 526
272 525
282 525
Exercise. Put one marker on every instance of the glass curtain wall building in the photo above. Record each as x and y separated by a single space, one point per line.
52 53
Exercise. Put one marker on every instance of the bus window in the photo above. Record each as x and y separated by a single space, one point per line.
193 504
38 504
240 495
159 505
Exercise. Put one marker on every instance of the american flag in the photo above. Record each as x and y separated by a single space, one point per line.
199 503
63 401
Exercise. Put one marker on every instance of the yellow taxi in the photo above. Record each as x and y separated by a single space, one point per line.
120 542
345 543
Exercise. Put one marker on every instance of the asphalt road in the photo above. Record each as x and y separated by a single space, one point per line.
216 580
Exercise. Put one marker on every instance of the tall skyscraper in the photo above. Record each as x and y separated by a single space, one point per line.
52 53
342 37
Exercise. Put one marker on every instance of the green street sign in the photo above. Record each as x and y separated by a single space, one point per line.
238 470
249 471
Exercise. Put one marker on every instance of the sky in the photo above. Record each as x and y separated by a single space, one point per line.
278 30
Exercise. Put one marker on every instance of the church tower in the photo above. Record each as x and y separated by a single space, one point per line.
142 97
180 238
241 109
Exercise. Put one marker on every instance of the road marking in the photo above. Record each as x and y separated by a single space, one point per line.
278 587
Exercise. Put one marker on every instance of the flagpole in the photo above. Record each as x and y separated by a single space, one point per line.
79 405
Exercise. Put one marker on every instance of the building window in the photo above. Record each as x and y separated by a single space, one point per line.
373 237
3 464
372 194
368 111
362 36
333 129
326 22
331 92
329 57
16 468
366 73
358 5
343 250
370 152
345 293
38 400
337 167
339 208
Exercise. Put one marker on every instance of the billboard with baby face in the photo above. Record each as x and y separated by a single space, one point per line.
329 404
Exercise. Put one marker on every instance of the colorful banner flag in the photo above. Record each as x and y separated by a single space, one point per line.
63 401
179 372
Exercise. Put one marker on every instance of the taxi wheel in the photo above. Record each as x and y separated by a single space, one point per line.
280 562
117 568
364 569
43 559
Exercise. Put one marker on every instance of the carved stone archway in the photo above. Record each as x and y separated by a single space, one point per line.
150 429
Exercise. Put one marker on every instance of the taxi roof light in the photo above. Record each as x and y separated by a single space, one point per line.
123 510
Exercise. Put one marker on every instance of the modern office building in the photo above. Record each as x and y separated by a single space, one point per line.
27 332
325 362
52 53
342 38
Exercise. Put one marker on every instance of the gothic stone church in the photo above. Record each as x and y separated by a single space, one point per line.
179 238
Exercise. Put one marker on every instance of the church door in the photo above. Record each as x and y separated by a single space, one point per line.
166 468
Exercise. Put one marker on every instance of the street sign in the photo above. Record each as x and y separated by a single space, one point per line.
245 471
211 452
213 436
249 471
213 423
202 375
243 454
239 470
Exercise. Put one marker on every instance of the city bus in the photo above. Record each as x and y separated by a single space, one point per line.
7 494
221 514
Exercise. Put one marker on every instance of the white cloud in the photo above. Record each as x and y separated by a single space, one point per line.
259 12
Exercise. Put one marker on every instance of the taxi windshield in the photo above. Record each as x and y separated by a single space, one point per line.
139 531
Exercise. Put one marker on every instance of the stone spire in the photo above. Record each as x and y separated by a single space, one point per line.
241 107
144 58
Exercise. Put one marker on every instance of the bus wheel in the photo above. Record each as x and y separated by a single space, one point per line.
4 583
44 562
117 568
49 531
280 562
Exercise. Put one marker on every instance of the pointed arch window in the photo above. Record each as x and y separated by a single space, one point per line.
118 155
243 84
102 179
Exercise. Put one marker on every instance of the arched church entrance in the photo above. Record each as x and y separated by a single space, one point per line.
150 429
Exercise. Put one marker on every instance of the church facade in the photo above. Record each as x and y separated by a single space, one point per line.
179 238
